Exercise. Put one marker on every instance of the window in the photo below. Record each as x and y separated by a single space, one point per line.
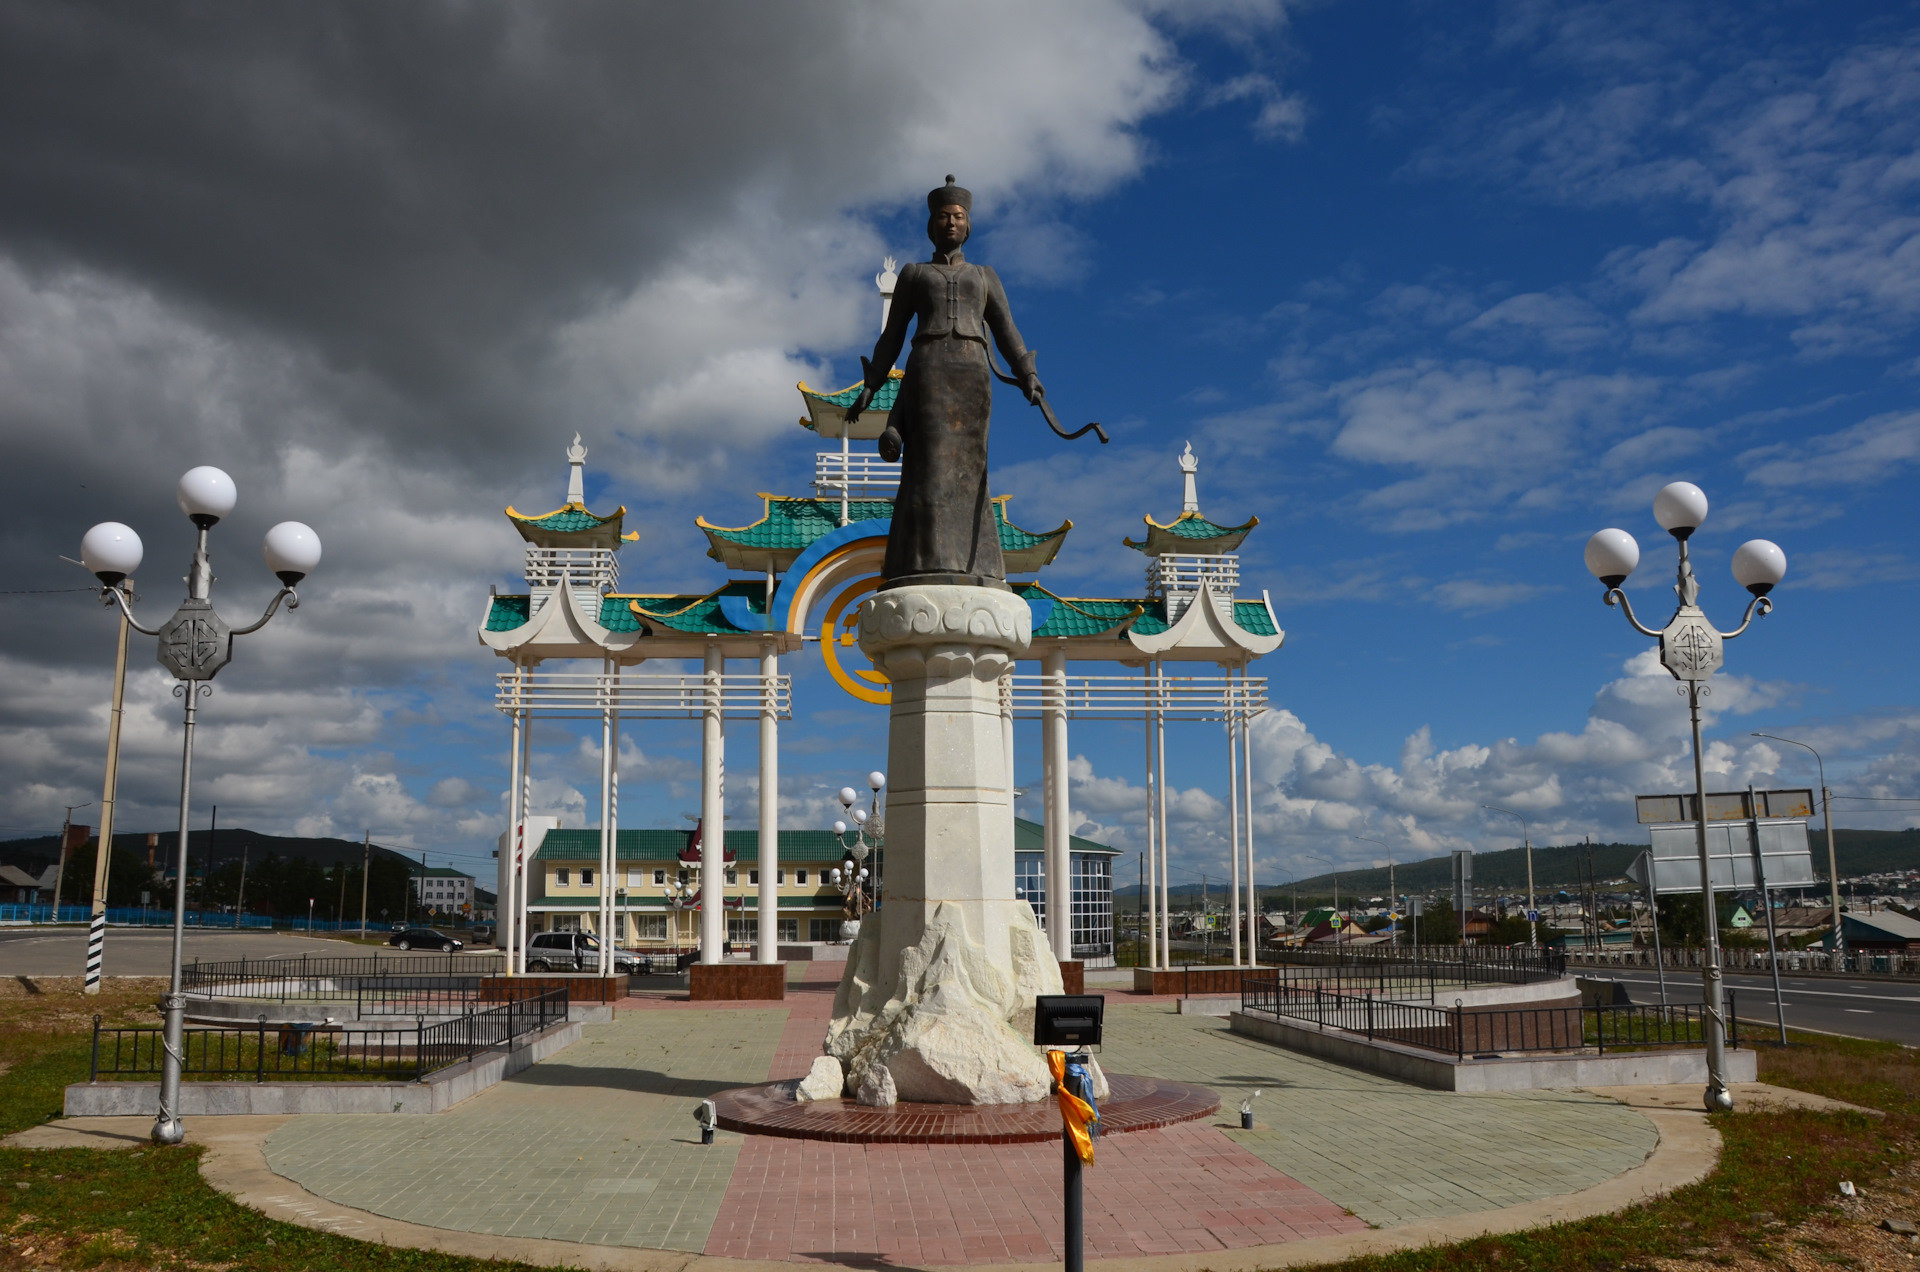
733 878
800 877
650 927
635 878
823 929
753 878
780 877
660 877
586 877
561 877
566 923
789 930
743 931
686 876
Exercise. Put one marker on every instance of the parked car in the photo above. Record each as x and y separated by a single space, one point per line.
482 934
424 939
575 952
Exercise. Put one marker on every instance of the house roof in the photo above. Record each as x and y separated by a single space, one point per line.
1191 532
795 845
1881 925
441 872
829 409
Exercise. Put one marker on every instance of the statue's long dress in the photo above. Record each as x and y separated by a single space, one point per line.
943 521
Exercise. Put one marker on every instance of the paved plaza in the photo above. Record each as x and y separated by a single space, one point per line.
598 1145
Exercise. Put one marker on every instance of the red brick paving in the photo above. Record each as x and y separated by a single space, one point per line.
1182 1189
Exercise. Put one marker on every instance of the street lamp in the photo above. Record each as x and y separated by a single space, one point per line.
855 882
1393 898
1526 835
194 645
1833 864
113 552
1692 649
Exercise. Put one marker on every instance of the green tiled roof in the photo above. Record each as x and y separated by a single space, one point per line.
1252 617
793 523
1077 617
508 612
1031 836
617 616
799 847
698 614
883 397
1190 530
568 520
1154 621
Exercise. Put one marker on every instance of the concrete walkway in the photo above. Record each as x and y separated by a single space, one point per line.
598 1146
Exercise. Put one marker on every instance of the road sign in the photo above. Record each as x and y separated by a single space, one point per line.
1533 916
1726 806
1676 856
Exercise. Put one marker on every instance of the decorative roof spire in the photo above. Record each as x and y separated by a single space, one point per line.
577 474
1189 465
885 281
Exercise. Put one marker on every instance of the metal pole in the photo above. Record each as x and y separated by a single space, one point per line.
517 955
1233 818
1166 856
1246 795
366 869
1150 928
1071 1193
1718 1097
1653 909
166 1127
103 860
713 812
769 803
1833 863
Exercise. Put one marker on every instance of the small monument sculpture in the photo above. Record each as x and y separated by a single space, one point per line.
937 1001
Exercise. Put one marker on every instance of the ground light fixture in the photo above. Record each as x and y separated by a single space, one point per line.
194 645
1692 649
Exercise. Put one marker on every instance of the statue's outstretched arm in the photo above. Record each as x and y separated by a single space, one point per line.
1007 336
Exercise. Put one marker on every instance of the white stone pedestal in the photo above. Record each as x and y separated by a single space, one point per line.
940 984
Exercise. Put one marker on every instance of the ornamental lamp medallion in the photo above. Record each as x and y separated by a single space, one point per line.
1690 648
196 642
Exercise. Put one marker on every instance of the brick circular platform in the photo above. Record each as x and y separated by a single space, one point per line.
1137 1104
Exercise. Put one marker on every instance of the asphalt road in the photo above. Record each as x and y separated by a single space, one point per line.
62 951
1889 1010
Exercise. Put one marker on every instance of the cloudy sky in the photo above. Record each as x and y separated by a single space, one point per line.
1435 291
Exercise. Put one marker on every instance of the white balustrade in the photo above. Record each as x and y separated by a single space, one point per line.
864 474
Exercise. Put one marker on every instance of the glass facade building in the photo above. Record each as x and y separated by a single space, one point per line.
1091 909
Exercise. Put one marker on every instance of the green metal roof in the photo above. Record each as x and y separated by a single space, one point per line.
1077 617
1254 618
1189 532
883 397
789 525
508 612
571 526
701 615
1029 836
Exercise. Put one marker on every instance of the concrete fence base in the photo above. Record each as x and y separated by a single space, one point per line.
438 1092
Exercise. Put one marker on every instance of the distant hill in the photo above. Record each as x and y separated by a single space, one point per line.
228 845
1860 852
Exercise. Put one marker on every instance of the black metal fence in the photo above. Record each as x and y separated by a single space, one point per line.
1492 1031
1738 959
301 1052
1391 967
305 977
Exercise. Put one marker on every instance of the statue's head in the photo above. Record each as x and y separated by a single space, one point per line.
948 221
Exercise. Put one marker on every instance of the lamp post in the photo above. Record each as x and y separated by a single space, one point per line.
1392 898
1526 835
855 882
681 894
113 552
1833 864
1692 649
194 645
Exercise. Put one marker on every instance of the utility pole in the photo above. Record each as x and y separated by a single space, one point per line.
366 869
97 931
240 897
340 907
206 858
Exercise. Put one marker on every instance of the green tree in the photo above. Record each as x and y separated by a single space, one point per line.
127 877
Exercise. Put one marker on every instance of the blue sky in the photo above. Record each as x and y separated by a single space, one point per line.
1435 293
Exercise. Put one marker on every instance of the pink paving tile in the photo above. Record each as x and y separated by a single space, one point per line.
1180 1189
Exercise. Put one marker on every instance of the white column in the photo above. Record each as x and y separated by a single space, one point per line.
1059 838
769 805
606 809
609 894
1149 934
523 860
1253 893
506 885
713 813
1228 700
1166 853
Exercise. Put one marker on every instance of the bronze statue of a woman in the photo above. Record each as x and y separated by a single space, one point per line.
943 529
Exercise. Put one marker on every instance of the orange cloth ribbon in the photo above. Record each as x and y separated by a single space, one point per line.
1075 1113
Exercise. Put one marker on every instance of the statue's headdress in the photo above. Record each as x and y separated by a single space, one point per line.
948 195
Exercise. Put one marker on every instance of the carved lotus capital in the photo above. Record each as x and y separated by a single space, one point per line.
947 615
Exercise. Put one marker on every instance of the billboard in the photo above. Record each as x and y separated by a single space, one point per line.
1784 851
1726 806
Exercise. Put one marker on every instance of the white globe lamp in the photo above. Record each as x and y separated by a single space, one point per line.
1680 508
112 551
876 779
1612 555
292 551
206 494
1758 564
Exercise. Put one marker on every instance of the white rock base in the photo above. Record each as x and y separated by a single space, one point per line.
824 1081
955 1029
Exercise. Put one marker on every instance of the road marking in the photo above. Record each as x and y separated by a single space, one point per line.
1859 1011
1814 993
